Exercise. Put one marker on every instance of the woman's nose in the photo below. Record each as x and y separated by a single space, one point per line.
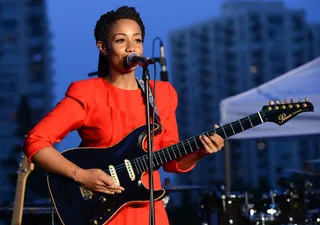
130 47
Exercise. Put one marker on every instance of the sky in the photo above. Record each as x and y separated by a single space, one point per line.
72 24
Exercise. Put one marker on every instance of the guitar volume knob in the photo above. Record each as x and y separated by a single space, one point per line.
102 199
94 222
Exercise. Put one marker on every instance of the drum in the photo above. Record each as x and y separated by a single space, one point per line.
268 209
233 208
281 207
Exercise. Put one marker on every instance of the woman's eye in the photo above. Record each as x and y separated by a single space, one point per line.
120 40
139 40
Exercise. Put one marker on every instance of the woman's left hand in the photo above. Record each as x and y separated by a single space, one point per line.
211 144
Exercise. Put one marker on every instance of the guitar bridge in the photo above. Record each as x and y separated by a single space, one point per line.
130 169
85 192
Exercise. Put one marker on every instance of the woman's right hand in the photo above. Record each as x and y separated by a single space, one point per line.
97 180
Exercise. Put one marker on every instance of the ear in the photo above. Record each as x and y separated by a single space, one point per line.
102 47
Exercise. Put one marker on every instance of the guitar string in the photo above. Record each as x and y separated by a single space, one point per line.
193 140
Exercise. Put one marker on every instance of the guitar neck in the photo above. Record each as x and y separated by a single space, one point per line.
193 143
18 202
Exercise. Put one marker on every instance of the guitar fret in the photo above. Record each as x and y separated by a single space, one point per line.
232 128
169 154
147 160
136 167
160 157
144 163
195 141
155 157
140 170
241 125
175 156
250 121
179 148
189 146
260 117
224 132
164 154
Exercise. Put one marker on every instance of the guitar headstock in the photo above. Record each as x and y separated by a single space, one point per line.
280 113
25 167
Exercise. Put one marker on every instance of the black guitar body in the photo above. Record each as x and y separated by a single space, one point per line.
77 205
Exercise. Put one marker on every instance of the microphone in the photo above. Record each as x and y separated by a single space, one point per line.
134 58
164 72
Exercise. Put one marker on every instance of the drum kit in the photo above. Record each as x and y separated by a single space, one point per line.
293 205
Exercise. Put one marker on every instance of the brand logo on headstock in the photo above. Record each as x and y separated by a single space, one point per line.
284 117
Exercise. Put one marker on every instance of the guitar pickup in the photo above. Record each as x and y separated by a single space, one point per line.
113 173
130 169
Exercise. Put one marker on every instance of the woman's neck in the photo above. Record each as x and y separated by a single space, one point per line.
123 81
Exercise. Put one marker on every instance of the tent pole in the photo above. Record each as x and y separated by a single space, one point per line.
227 166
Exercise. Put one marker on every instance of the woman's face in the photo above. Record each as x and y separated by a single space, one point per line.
124 37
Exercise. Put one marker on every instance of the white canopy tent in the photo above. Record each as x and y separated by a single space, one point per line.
301 82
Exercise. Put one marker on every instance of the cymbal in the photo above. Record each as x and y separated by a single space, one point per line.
311 173
183 187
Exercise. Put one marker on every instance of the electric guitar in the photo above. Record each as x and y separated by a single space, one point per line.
128 160
25 168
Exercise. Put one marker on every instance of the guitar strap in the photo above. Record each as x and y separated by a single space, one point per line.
151 101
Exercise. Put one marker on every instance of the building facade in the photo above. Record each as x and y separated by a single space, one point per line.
25 70
250 43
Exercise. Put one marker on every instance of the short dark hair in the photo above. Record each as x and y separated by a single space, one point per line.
102 28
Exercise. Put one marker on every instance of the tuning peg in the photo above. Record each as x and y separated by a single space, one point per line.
306 99
292 100
278 102
271 102
285 101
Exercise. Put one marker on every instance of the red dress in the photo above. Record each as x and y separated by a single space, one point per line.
103 115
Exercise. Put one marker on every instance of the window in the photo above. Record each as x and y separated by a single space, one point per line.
8 25
35 24
297 22
9 41
275 19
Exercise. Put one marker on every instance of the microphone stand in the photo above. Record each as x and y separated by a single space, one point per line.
146 78
163 74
